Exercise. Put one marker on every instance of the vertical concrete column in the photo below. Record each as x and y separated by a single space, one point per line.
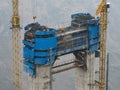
43 79
81 79
85 79
91 71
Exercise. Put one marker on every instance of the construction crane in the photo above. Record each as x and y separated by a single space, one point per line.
16 46
103 12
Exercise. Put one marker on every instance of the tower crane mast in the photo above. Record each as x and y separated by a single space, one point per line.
16 46
103 12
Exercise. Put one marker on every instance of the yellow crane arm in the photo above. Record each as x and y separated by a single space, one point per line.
102 11
15 17
16 46
102 4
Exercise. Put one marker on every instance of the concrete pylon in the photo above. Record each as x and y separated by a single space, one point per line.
85 78
91 71
43 79
81 79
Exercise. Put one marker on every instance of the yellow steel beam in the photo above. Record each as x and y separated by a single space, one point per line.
15 16
16 46
103 27
15 22
16 58
99 9
102 10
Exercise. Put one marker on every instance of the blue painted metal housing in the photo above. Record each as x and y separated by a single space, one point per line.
29 68
79 20
42 45
93 35
39 48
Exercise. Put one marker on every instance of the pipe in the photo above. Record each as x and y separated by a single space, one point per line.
107 71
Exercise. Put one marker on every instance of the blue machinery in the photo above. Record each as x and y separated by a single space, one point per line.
43 45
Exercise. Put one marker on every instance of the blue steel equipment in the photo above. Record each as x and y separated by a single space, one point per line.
39 47
43 45
80 20
93 35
